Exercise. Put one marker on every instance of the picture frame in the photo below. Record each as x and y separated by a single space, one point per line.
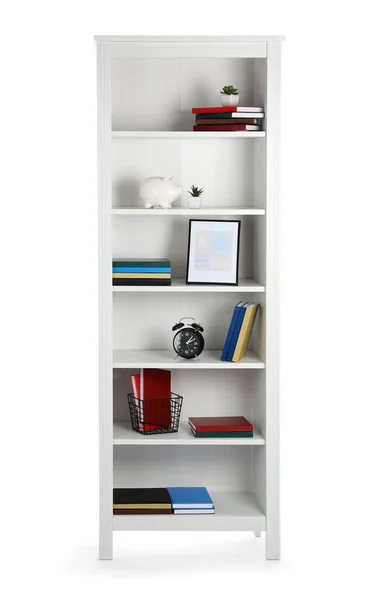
213 252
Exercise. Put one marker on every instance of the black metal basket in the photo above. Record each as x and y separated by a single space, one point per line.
150 417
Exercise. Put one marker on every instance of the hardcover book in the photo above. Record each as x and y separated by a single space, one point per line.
223 120
237 127
194 511
223 434
141 275
231 115
140 281
245 332
141 262
236 331
228 339
144 511
155 391
190 497
142 496
141 269
225 109
215 424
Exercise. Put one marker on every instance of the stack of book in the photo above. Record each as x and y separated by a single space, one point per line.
141 501
141 271
211 427
191 501
239 332
228 118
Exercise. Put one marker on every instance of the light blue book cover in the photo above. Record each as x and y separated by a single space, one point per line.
224 355
190 497
237 329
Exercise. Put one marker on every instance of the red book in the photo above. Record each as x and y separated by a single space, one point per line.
221 109
155 391
216 424
235 127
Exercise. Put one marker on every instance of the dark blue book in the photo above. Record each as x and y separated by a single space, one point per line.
237 329
224 355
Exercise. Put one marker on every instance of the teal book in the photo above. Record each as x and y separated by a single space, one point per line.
141 263
224 434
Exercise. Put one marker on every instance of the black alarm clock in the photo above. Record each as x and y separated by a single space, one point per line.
188 340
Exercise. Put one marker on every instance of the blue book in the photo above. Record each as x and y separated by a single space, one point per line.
190 497
141 270
236 331
224 354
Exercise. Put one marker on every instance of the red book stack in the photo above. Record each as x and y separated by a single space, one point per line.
228 118
221 427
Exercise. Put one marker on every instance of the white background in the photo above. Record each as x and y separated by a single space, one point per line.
48 222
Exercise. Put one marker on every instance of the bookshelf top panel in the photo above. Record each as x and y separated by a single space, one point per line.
189 38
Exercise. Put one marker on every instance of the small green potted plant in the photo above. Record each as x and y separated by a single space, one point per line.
229 96
194 198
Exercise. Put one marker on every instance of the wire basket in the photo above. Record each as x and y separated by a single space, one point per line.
150 417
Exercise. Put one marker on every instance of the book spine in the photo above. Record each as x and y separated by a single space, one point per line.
141 270
142 263
141 282
225 434
141 275
236 332
245 334
214 109
221 428
229 334
219 127
221 121
145 511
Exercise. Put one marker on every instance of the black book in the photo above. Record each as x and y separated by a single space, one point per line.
141 496
124 281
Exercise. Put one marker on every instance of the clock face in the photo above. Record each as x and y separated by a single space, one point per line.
188 343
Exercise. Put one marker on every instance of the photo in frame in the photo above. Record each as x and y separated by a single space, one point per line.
213 252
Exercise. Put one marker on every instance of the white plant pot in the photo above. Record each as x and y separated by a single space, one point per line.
229 100
194 202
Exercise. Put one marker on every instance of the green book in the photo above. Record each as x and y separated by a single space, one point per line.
224 434
141 262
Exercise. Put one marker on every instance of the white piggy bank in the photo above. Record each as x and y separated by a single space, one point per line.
159 191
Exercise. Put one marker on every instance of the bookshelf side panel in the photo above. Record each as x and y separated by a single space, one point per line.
105 304
272 308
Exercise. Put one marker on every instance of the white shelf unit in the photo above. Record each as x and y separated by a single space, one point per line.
149 132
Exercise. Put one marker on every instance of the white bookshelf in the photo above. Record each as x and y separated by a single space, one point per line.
148 132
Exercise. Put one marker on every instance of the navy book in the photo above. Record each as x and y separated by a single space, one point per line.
237 329
224 355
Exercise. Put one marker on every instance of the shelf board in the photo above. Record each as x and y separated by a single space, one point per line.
124 435
190 212
234 511
187 134
165 359
179 286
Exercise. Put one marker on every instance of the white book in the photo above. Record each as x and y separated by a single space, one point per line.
246 115
185 511
193 506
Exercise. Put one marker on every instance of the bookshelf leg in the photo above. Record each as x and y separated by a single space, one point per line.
106 545
272 546
258 533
